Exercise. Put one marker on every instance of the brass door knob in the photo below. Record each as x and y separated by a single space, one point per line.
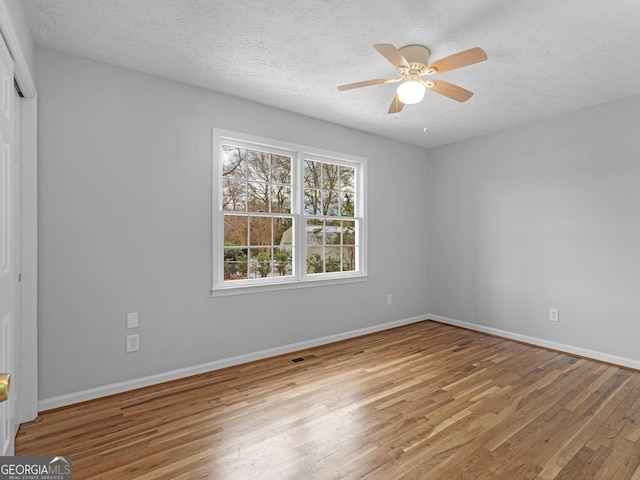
5 380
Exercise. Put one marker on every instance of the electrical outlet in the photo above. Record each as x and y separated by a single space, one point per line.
554 315
133 343
389 299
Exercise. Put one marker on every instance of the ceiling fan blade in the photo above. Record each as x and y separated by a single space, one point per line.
396 105
460 59
392 54
449 90
367 83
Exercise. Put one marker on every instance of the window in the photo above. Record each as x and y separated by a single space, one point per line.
285 215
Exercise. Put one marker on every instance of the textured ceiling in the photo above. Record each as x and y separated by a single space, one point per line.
545 57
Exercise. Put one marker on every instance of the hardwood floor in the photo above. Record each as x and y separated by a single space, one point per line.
425 401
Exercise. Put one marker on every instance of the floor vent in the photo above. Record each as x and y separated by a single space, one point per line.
302 359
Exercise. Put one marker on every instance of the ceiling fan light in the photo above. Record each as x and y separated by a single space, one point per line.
411 92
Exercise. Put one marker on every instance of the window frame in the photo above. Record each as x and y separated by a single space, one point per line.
299 278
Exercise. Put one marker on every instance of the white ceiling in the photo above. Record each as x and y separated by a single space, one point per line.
545 56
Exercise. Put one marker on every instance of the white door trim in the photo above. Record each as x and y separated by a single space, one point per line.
28 407
20 66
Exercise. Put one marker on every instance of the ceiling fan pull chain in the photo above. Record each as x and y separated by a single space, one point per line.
425 114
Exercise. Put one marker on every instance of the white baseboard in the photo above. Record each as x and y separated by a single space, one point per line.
93 393
582 352
103 391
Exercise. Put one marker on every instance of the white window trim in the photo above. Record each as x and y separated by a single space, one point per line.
300 278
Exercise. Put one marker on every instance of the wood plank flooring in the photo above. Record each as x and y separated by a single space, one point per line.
425 401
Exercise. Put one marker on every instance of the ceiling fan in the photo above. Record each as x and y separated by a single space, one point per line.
412 63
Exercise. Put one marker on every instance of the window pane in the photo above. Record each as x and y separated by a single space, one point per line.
347 179
235 263
260 231
330 176
332 232
234 195
312 202
330 203
287 235
348 259
260 265
280 199
348 232
315 260
259 165
332 259
282 231
281 169
235 230
258 200
312 174
347 207
315 232
234 163
283 261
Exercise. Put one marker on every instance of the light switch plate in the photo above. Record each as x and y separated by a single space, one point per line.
132 320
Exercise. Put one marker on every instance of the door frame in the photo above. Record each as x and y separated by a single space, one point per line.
27 350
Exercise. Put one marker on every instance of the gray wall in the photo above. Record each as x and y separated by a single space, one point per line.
539 216
125 225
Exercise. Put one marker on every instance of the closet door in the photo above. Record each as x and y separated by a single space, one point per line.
8 270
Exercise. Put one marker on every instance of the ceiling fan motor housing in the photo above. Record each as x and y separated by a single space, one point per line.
418 58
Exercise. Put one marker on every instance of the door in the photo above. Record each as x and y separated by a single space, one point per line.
8 274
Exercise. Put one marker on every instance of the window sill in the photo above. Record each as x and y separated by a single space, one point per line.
293 285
